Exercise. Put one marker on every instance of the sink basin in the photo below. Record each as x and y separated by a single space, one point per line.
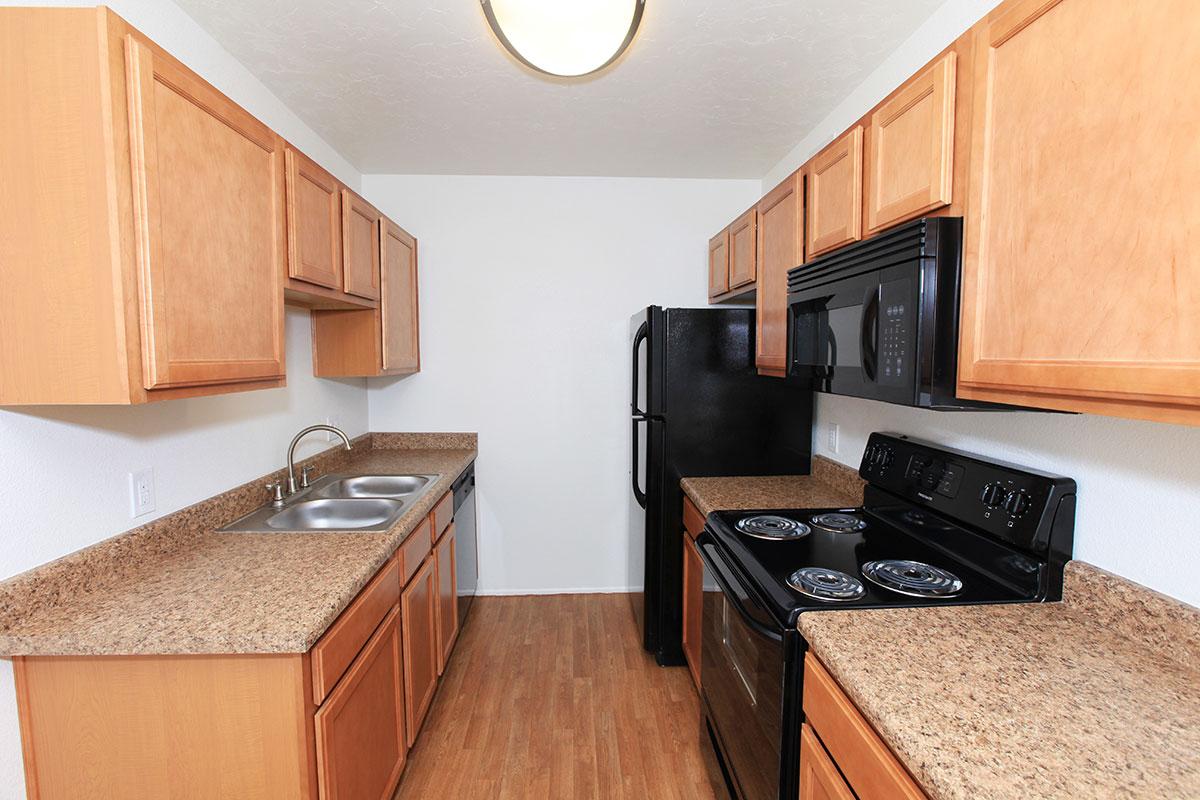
363 503
335 514
374 486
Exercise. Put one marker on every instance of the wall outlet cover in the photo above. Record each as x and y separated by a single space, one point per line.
141 491
831 437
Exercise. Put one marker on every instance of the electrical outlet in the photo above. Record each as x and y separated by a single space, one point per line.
330 436
831 437
141 491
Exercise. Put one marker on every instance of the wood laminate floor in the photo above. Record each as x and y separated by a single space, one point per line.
553 697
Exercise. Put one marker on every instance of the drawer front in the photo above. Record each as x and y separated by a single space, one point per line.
872 770
693 520
334 652
443 512
819 777
415 548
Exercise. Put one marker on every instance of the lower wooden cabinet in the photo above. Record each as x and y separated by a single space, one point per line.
418 615
693 603
819 776
361 738
445 552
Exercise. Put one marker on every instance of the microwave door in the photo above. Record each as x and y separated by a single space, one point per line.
833 337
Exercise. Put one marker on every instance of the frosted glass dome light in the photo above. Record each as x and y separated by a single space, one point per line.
567 38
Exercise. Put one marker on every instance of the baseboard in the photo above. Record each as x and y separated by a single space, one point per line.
562 590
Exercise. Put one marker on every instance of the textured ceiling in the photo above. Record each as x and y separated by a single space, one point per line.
710 88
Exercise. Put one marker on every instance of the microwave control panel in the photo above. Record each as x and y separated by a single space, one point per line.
896 332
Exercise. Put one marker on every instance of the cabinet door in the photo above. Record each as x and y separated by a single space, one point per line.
361 743
819 777
360 246
835 194
1081 279
718 264
314 223
399 320
743 249
209 229
693 601
912 148
445 555
418 611
780 247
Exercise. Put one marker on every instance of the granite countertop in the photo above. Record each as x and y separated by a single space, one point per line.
176 586
830 485
1094 697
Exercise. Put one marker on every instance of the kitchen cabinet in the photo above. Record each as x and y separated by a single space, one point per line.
910 156
360 737
718 264
381 341
1081 290
846 739
360 246
835 186
743 249
780 247
418 614
693 588
445 555
148 264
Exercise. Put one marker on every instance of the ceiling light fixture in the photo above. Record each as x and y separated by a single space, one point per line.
566 39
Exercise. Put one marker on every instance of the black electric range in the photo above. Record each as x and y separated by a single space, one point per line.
936 527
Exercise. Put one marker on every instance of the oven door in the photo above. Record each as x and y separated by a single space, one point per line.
742 678
858 335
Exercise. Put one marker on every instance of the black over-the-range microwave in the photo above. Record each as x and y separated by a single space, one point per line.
879 319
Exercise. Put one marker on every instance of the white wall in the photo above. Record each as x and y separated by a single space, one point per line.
527 288
1120 465
64 483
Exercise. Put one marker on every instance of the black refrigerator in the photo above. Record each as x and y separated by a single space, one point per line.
699 409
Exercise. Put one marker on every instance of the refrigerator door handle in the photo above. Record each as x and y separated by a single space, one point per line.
638 338
637 490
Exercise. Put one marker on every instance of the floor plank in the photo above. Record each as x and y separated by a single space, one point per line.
553 697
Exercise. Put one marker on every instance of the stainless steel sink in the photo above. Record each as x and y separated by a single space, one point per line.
363 503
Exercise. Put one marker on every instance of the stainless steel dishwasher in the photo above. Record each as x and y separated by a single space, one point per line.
466 529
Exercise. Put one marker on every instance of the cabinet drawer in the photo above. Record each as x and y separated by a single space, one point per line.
443 512
334 652
415 548
869 766
819 776
693 520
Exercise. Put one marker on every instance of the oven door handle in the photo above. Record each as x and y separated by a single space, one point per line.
719 571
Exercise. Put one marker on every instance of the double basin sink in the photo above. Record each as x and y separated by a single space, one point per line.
367 503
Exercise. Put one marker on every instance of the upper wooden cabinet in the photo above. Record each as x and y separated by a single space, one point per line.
360 246
381 341
780 247
835 194
1081 286
142 255
314 216
743 250
718 264
911 152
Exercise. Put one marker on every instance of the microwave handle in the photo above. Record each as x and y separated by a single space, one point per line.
869 335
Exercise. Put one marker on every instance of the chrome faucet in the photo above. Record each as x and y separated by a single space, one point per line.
291 459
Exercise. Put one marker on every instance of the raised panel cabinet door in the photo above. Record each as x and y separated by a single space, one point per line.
1081 275
693 601
447 600
314 223
418 617
819 776
780 247
835 194
361 742
399 316
209 228
743 249
911 159
718 264
360 246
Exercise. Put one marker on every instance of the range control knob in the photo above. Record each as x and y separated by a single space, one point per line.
1016 502
992 495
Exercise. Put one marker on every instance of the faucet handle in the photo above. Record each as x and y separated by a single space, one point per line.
304 475
276 489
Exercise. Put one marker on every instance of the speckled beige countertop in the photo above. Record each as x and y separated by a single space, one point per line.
177 586
1094 697
830 485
